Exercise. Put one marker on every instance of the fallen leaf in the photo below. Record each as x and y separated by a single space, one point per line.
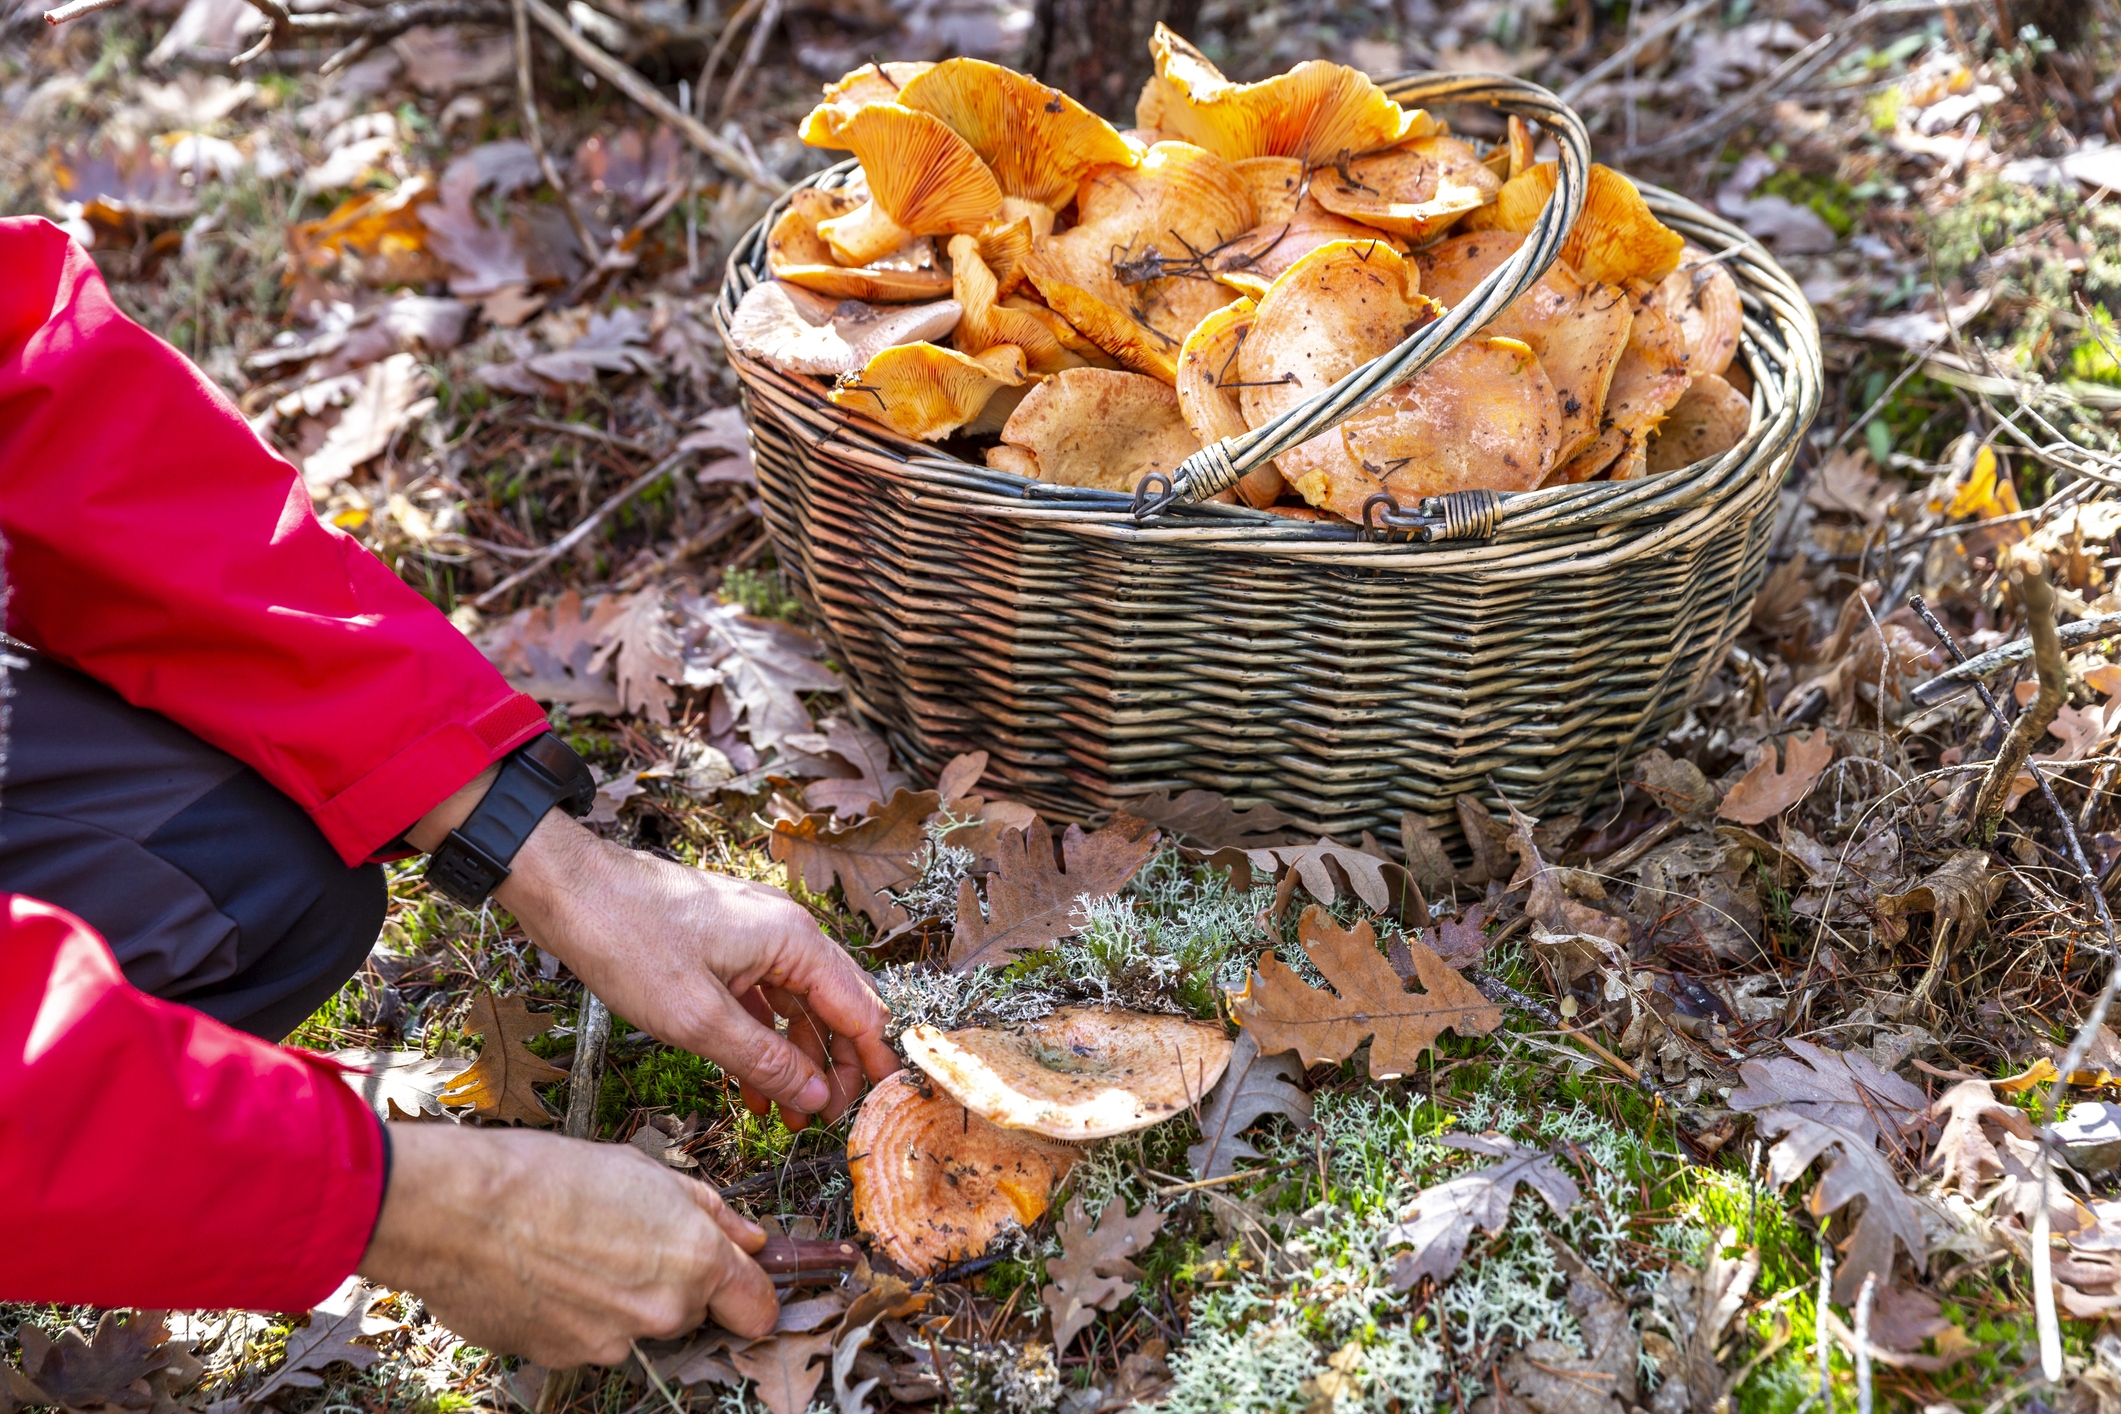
1767 790
1253 1086
865 859
783 1369
1089 1275
761 663
1856 1170
1959 891
1556 1378
1840 1088
608 344
1461 942
852 1399
1549 905
663 1139
400 1084
1440 1220
874 782
1903 1317
1487 838
1282 1013
725 442
498 1084
1427 859
641 650
548 651
612 794
1702 1304
329 1339
1211 820
960 774
108 1370
1034 900
483 260
389 396
1326 870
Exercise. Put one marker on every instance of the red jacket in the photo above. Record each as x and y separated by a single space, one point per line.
148 1155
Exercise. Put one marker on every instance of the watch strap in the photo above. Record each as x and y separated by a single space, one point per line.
542 773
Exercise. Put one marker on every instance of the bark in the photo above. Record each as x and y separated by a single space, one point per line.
2029 577
1097 51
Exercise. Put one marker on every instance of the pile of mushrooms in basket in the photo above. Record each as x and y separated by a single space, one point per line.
1085 306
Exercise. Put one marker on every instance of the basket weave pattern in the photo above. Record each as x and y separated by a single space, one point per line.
1341 678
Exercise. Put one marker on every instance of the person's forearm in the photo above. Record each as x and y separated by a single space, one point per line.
435 825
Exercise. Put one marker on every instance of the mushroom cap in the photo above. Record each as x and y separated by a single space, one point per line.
1005 246
934 1183
795 252
922 175
926 391
1133 225
1081 1073
1255 260
986 322
1101 427
1020 460
1330 313
797 332
1275 184
1578 330
1071 338
1206 362
1414 191
1481 417
1616 239
1597 459
1315 111
1652 373
871 83
1707 422
1037 140
1703 297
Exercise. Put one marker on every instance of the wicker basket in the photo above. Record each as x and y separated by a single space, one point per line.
1099 652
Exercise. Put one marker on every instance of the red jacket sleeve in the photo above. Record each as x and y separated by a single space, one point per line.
149 1154
157 545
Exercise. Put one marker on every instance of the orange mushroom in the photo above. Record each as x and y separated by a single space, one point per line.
926 391
1292 224
1316 111
1101 427
795 252
1037 140
923 181
935 1183
1415 190
1482 417
799 332
1707 422
1703 297
871 83
985 322
1080 1073
1208 363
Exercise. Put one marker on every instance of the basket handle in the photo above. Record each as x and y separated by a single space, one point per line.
1219 466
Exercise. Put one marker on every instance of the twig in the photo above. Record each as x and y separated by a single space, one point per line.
2044 1270
1863 1342
1971 670
685 549
769 19
1613 63
583 429
1824 1344
655 1379
585 1077
761 1182
629 82
729 32
76 10
534 132
575 536
1170 1190
2029 574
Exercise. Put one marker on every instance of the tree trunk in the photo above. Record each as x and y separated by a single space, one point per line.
1097 51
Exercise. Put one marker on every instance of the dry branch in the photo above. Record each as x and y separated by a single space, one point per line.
2029 575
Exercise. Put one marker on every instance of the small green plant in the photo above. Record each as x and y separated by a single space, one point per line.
762 593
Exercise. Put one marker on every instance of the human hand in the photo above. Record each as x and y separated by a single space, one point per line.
704 961
561 1251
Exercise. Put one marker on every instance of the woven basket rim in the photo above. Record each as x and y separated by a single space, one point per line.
1534 531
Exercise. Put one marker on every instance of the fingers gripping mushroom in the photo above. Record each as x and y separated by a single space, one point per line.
924 180
1081 1073
935 1183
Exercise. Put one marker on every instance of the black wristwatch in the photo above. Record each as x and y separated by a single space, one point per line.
536 776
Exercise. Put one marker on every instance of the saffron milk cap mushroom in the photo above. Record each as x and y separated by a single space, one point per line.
924 180
1415 190
1081 1073
1706 422
1101 427
1315 111
1482 417
795 252
1703 297
926 391
935 1183
1208 363
1037 140
799 332
871 83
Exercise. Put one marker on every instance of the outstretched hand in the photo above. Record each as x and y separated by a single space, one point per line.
706 962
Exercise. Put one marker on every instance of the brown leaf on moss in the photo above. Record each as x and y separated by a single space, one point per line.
1965 1157
1091 1273
783 1369
1284 1014
1550 906
498 1085
1440 1221
1768 789
1032 898
1328 870
105 1371
1253 1086
881 852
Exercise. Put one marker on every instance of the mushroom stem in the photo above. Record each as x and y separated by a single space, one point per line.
863 234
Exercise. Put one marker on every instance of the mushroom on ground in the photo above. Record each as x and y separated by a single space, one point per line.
799 332
1081 1073
935 1183
924 180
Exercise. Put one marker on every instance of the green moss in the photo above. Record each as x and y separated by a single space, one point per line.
1829 197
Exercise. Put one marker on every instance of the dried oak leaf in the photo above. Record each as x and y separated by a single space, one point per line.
1427 859
1033 900
1857 1170
1253 1087
1326 870
547 651
400 1084
1550 906
873 783
760 663
390 393
1553 1377
1959 891
1767 789
110 1369
1211 820
1489 840
641 651
498 1084
1965 1154
1702 1304
1844 1089
1283 1014
783 1369
1440 1220
328 1339
1090 1274
864 859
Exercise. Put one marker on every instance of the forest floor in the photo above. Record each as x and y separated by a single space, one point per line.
1785 923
